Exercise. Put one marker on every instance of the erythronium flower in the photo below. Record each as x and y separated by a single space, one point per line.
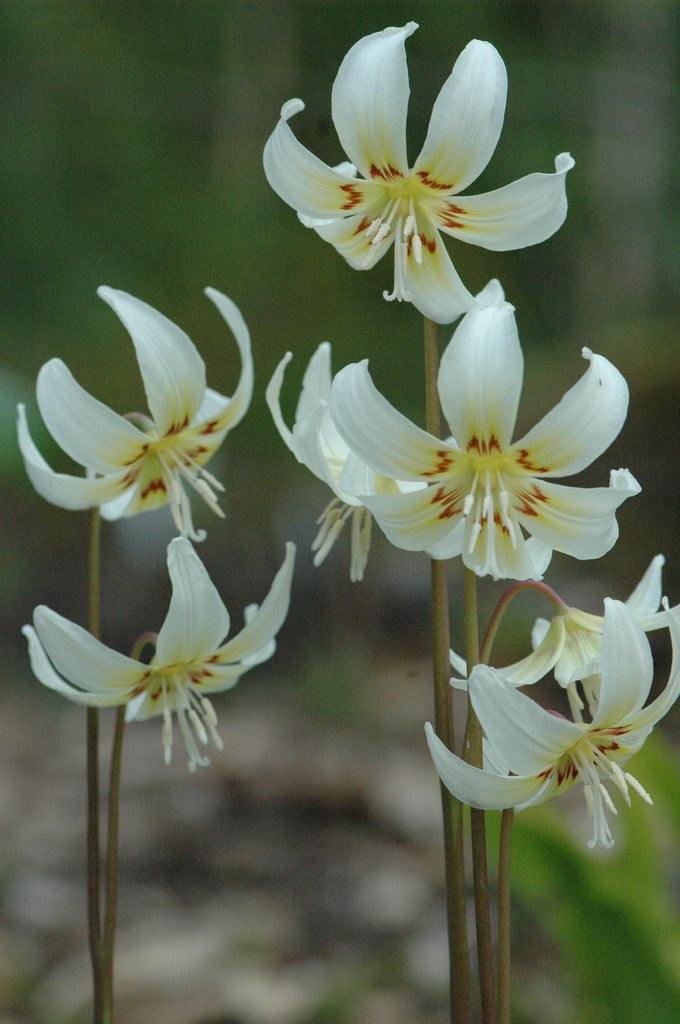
190 660
393 203
531 754
137 466
483 489
315 442
570 643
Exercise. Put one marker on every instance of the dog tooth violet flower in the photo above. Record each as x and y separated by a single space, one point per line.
484 490
190 660
393 204
136 464
570 643
531 754
316 444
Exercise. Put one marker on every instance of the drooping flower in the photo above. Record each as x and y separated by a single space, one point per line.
140 463
190 659
483 490
395 204
531 754
570 643
315 442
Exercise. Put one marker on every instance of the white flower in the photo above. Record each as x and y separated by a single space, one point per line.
316 444
395 204
136 466
531 754
571 641
483 489
189 663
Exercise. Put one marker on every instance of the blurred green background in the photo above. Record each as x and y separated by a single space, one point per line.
131 137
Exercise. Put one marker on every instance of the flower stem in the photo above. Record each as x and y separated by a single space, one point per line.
480 874
459 971
112 857
507 820
502 607
92 744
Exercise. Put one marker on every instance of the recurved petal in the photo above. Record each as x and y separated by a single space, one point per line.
369 101
646 598
433 284
62 489
481 372
263 625
87 430
581 426
235 407
626 666
83 660
579 521
523 213
466 120
542 658
476 786
308 184
493 551
197 620
172 370
649 716
316 383
382 437
45 674
524 737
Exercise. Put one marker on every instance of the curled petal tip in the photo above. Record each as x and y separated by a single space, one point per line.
564 162
291 107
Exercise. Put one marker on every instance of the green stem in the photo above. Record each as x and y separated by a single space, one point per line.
111 892
459 969
92 744
507 820
480 874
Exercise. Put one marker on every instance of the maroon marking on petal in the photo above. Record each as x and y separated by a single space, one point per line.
153 485
210 427
448 501
444 462
387 173
431 183
569 771
365 223
483 447
354 196
498 521
528 499
140 455
523 460
449 215
429 243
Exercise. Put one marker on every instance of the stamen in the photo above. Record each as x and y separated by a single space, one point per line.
166 734
639 789
608 802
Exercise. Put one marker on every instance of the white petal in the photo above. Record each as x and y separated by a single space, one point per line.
370 100
646 598
316 383
171 368
524 737
421 520
197 620
466 120
62 489
263 626
579 521
475 786
382 437
650 715
480 375
626 666
308 184
45 674
236 406
523 213
493 551
542 658
83 660
581 426
87 430
433 284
